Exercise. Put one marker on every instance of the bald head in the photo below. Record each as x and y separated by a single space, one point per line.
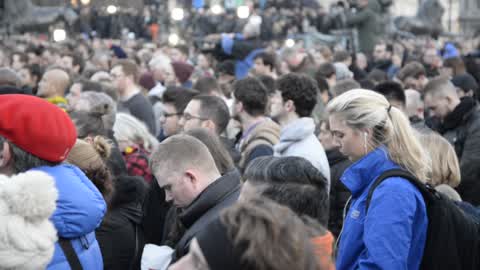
54 83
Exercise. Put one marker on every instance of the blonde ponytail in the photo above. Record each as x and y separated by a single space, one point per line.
390 127
405 149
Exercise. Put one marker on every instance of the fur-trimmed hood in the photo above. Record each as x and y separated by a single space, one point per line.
27 236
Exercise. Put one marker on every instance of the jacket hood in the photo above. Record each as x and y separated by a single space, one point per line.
80 206
294 132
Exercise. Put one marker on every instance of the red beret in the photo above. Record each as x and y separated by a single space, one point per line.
37 126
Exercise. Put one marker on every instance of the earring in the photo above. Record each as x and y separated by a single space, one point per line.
365 142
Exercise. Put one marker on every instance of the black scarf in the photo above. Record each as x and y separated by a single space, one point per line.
459 115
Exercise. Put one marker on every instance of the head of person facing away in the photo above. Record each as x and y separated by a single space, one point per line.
240 235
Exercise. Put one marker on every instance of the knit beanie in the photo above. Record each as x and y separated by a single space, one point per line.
183 71
27 236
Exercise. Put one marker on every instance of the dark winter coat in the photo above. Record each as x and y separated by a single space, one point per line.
207 207
339 194
462 129
121 235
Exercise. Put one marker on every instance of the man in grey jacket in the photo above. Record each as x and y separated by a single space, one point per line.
291 107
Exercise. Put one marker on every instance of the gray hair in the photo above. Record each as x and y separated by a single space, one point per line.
96 102
129 128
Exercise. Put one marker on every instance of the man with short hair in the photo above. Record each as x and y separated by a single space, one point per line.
460 125
292 108
212 113
413 76
185 169
73 63
265 64
179 53
260 133
393 92
175 100
36 135
125 74
383 58
208 112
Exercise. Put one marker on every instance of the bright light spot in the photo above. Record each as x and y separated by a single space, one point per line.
177 14
85 2
111 9
173 39
243 12
59 35
217 9
290 43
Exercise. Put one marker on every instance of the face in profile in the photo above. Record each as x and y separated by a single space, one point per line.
352 142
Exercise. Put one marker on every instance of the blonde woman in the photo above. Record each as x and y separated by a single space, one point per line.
136 143
445 166
377 137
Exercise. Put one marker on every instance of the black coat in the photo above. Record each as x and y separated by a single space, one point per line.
207 207
339 194
121 235
462 129
155 210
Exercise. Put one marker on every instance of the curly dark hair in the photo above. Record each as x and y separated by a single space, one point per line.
302 90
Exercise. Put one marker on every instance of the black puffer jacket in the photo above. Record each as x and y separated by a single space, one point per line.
339 194
462 129
121 235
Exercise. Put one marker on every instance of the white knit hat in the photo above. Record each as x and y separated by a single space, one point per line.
27 237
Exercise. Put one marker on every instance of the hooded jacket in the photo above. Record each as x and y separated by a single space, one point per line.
80 209
298 139
121 232
392 235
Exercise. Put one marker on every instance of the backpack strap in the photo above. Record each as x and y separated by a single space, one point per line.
70 254
424 189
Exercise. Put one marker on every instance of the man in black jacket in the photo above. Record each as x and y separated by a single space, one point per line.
460 125
185 169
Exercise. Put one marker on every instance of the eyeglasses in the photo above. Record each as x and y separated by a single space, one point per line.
188 117
167 115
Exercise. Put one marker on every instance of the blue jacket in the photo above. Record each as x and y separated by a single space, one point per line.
80 210
242 66
392 235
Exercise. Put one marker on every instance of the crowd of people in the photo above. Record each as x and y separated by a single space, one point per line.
248 155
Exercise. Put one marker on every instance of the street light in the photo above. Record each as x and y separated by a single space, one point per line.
216 9
290 43
111 9
173 39
243 12
177 14
59 35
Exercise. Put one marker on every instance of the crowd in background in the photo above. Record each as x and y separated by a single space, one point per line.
243 152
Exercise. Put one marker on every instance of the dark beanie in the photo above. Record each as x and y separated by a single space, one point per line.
466 82
217 247
183 71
